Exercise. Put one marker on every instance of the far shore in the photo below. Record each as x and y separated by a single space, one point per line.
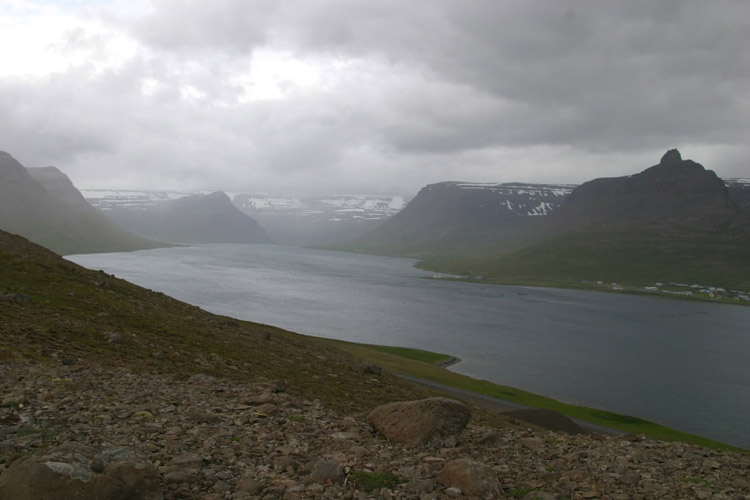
589 287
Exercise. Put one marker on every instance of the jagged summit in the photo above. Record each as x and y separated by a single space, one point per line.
673 189
671 156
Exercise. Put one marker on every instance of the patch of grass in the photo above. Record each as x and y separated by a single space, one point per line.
701 481
371 481
95 318
628 256
11 403
617 418
428 357
519 492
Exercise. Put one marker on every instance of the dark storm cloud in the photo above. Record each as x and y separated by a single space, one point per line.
598 76
406 93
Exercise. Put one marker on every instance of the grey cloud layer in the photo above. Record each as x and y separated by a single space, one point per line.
481 90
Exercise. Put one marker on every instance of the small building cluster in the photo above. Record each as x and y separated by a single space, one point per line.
680 289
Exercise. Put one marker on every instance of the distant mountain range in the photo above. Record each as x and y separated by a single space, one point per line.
312 220
672 221
44 206
319 220
182 217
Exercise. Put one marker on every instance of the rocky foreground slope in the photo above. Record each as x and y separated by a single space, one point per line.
212 438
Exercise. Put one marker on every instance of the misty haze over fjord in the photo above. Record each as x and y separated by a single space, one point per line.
379 97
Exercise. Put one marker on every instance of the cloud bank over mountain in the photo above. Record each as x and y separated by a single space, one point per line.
335 96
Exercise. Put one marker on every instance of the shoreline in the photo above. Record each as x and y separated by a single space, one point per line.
428 368
449 362
501 405
626 290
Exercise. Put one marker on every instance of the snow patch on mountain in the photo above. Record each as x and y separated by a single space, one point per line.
108 199
518 198
331 208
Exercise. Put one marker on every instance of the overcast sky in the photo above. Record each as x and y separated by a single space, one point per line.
370 96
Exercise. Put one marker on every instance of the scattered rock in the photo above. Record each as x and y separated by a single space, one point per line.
473 478
368 368
541 495
325 470
114 337
547 419
431 422
249 485
66 472
15 297
206 441
278 386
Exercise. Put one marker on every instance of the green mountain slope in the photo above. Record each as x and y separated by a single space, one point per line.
54 310
64 225
459 219
673 222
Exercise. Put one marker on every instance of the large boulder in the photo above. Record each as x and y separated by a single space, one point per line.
74 470
474 479
430 422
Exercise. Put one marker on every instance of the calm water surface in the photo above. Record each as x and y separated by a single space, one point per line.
683 364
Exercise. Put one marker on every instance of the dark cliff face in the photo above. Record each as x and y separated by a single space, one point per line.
675 189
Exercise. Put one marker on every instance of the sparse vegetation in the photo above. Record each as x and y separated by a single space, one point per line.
370 481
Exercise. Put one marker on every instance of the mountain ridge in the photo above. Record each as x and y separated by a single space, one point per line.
672 222
199 218
452 217
68 226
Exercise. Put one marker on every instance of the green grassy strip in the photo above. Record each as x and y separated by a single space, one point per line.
423 364
590 287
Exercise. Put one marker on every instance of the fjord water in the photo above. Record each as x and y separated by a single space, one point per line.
679 363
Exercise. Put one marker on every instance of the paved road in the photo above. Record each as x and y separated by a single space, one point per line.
501 405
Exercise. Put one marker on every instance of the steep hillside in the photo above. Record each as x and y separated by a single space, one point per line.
674 221
58 185
210 218
461 218
53 310
58 219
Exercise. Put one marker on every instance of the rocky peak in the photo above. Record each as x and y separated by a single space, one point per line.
671 157
673 189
